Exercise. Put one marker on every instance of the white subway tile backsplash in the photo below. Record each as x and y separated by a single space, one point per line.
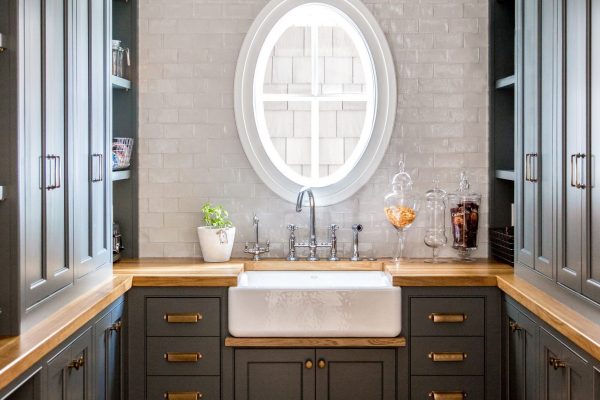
189 152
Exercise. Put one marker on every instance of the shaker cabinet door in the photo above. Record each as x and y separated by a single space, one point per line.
108 344
275 374
69 372
536 179
91 221
366 374
522 335
46 110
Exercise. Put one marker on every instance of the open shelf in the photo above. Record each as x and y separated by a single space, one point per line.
120 83
121 175
506 83
506 175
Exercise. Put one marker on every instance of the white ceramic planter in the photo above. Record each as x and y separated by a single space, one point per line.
216 243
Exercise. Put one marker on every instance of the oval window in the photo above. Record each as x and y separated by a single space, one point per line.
315 97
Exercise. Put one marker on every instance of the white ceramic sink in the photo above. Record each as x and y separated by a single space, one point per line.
314 304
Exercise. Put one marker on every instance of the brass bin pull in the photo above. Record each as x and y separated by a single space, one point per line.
76 364
447 357
441 318
183 357
321 364
308 364
447 395
182 395
182 318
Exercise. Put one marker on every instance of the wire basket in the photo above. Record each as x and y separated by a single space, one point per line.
121 153
502 244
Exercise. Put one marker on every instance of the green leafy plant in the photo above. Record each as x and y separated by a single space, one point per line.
216 216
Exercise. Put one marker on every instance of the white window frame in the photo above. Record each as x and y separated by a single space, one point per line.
379 97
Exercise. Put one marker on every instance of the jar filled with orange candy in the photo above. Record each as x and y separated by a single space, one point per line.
401 206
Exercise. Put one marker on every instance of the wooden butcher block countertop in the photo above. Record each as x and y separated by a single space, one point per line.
18 354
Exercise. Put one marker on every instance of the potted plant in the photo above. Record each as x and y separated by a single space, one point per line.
217 235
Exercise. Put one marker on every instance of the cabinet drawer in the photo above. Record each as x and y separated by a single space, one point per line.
447 356
183 356
183 316
184 388
447 316
424 387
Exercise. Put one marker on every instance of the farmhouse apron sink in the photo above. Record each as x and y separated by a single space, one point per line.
314 304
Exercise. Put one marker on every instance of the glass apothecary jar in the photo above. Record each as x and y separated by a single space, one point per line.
401 206
464 218
435 212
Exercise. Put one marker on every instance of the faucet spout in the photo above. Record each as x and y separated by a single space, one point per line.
312 244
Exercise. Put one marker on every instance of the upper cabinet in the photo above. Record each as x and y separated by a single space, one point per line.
557 134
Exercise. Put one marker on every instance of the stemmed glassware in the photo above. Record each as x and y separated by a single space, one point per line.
401 208
435 209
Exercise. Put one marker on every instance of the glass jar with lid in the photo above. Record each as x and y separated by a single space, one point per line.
401 208
435 211
464 214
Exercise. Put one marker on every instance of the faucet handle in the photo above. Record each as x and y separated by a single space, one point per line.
334 227
292 227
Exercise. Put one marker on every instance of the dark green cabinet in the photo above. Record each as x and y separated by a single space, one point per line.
46 111
108 354
536 70
69 373
565 374
321 374
522 339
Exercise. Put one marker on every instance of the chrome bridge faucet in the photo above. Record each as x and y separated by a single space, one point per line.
312 243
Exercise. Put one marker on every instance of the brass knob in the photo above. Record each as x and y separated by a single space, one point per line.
116 326
556 363
514 327
308 364
321 364
76 364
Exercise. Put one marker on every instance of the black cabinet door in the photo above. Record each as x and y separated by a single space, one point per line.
275 374
91 217
536 180
522 359
564 373
46 117
69 373
366 374
108 361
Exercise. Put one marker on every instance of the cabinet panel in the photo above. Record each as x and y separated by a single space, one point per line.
108 359
69 372
183 356
424 362
356 373
274 374
565 374
427 316
424 387
91 216
183 316
522 355
202 387
46 111
591 281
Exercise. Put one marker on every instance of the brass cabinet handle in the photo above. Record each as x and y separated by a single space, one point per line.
514 327
116 326
527 167
182 357
76 364
182 318
447 357
321 364
308 364
573 169
534 168
440 318
556 363
100 163
182 395
435 395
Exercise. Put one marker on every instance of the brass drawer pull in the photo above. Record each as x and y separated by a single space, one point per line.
183 357
447 357
183 318
439 318
182 395
447 395
556 363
